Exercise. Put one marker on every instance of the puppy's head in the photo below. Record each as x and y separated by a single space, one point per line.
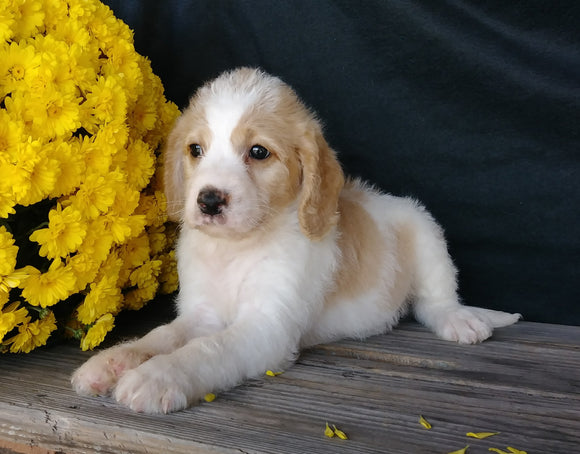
244 150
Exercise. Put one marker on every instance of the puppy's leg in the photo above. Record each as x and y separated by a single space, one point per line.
173 381
99 375
436 303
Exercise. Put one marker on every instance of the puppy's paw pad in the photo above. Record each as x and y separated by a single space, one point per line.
145 392
465 327
99 375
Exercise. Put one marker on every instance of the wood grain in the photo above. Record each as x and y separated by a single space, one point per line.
524 383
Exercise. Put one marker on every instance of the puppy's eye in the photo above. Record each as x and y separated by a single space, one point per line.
259 152
195 150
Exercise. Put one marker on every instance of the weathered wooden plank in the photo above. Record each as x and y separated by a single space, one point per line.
524 383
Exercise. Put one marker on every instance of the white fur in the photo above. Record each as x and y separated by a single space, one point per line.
255 287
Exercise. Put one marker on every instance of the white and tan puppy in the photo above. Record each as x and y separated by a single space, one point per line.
276 252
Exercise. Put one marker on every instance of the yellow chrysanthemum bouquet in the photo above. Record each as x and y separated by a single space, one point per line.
83 231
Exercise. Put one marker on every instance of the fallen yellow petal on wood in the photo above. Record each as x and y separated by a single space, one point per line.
209 397
328 431
461 451
339 433
270 373
424 422
516 451
334 431
481 435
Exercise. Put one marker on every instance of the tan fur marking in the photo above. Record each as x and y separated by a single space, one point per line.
323 181
363 250
190 128
274 125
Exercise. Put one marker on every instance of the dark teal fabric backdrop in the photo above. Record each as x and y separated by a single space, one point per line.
471 107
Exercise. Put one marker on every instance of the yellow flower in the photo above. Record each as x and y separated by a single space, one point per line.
11 133
112 137
42 178
15 279
72 32
7 21
8 252
82 117
54 112
146 273
29 17
14 184
95 196
106 100
98 241
137 298
121 59
104 295
65 233
140 164
144 114
97 157
47 289
158 239
118 226
104 27
58 65
10 317
153 207
168 277
136 251
96 333
84 269
32 335
209 397
71 164
19 64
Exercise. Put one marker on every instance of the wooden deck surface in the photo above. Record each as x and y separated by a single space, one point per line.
524 383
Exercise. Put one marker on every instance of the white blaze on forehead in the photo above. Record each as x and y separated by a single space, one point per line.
223 114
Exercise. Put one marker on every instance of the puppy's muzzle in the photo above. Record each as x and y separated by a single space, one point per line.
212 201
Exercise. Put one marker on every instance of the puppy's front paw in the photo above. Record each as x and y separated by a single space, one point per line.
153 387
99 375
463 325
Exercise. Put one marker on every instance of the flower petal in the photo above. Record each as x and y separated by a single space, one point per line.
270 373
424 422
328 431
209 397
481 435
339 433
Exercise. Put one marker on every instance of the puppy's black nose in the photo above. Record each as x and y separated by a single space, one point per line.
211 201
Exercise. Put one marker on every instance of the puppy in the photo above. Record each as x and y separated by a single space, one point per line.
276 252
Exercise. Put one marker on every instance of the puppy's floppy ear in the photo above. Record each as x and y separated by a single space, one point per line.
322 181
173 173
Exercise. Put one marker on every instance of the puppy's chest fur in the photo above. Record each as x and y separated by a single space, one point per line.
225 278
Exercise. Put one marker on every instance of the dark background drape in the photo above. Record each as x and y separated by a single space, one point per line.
471 107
